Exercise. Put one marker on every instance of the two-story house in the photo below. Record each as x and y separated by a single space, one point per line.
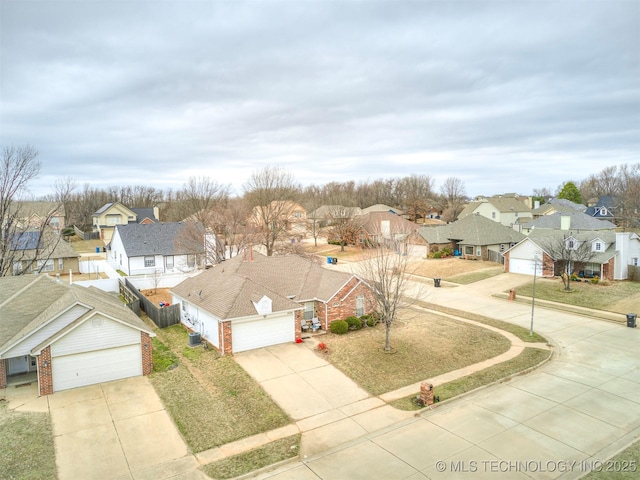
112 214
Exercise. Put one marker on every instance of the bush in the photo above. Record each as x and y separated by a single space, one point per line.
354 323
339 327
371 320
436 255
595 279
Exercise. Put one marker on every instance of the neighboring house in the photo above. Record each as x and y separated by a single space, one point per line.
67 336
292 214
43 252
112 214
611 253
380 207
327 215
473 237
380 227
574 221
556 205
253 301
32 215
509 209
606 208
156 248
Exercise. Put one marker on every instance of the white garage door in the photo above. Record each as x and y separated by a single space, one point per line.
78 370
262 333
524 266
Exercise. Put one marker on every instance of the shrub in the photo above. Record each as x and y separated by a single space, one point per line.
339 327
371 320
595 279
436 255
354 323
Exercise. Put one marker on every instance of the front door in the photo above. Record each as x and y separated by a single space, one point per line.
18 365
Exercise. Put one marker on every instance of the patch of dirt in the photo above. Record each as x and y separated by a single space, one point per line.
157 295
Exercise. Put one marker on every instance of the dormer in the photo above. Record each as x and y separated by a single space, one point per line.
571 243
598 245
264 306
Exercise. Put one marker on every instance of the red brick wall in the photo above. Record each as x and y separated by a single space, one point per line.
147 353
607 269
3 374
226 347
298 315
45 377
506 261
339 307
548 267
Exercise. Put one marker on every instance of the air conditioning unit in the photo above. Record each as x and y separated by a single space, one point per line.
194 339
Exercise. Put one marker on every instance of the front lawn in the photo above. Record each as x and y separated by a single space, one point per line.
472 277
27 445
610 296
211 399
424 345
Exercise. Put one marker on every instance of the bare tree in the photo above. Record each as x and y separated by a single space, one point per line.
341 226
453 195
24 246
416 192
271 193
388 272
569 252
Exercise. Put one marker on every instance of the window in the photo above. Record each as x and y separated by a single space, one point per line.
493 215
309 310
45 265
54 222
597 247
478 251
362 238
149 261
516 214
113 219
191 261
17 268
468 250
635 262
168 261
359 305
121 259
61 264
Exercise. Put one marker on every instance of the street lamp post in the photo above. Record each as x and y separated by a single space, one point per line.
536 257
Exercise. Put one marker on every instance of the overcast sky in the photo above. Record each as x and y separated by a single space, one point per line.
506 95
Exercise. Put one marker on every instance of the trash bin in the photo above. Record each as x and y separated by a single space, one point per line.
329 260
631 320
436 282
334 260
97 249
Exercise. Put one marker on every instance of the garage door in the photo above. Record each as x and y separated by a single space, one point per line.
262 333
78 370
524 266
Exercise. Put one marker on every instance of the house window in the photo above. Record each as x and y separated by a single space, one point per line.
309 310
359 305
45 265
17 268
635 262
113 220
168 261
121 259
493 215
191 261
468 250
362 238
33 362
61 264
54 222
149 261
478 251
571 245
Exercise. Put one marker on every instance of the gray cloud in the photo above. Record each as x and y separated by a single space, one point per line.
509 96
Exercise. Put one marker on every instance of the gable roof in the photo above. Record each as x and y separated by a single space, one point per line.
144 213
109 205
471 230
371 223
29 301
45 245
577 221
507 203
546 239
379 207
228 289
171 238
558 205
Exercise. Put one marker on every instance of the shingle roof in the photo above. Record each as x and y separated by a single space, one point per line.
548 238
503 203
227 289
471 230
28 301
48 245
142 213
159 239
372 221
578 221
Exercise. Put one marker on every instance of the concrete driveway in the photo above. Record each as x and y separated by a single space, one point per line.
328 407
117 430
560 421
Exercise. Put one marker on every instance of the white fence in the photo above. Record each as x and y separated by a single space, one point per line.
105 284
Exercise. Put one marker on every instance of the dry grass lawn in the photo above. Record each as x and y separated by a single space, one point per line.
424 345
449 268
211 399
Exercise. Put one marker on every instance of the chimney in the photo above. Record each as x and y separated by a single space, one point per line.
156 213
565 222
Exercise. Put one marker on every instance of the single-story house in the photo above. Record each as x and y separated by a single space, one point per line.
67 336
330 214
473 237
157 248
380 227
111 214
608 256
253 301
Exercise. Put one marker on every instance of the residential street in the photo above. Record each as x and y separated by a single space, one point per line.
558 422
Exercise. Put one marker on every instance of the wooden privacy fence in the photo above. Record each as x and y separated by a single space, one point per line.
130 298
163 317
86 235
634 273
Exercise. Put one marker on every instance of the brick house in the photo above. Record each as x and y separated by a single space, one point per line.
67 336
252 301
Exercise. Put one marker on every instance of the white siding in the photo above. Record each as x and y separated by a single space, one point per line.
46 331
198 320
96 333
